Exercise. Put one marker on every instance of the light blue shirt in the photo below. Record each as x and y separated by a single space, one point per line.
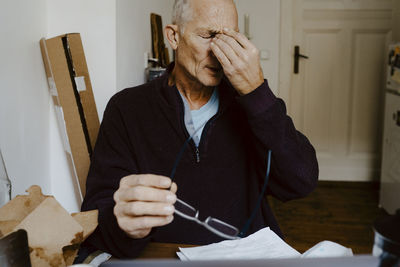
195 120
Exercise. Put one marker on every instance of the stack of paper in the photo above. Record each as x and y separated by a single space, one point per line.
264 244
260 245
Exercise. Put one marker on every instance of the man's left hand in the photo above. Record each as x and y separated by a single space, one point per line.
240 60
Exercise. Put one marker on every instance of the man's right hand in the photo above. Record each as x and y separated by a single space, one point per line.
142 202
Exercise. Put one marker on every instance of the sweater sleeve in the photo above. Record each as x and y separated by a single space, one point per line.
294 167
112 159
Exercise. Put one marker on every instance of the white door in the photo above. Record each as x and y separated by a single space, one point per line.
336 99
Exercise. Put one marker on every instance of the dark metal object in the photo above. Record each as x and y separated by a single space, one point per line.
297 55
398 120
14 250
387 240
154 73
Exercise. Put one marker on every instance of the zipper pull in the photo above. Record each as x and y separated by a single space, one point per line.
197 155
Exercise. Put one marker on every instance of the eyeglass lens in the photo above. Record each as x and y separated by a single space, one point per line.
185 209
222 227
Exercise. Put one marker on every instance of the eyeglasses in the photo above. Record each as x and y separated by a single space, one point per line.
214 225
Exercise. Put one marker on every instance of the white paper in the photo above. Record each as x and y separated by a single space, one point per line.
327 249
181 256
264 244
80 83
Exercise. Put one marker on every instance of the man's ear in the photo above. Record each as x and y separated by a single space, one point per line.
172 34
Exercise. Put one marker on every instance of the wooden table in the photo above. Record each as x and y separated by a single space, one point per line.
161 250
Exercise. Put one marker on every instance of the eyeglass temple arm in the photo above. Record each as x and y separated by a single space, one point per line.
249 221
178 158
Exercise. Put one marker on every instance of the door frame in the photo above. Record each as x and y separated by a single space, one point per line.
286 51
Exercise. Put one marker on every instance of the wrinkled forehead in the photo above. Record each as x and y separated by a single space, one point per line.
213 15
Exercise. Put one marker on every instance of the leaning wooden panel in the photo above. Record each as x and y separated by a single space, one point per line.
76 112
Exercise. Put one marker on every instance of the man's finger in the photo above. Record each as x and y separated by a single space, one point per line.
239 50
146 180
132 224
174 188
139 208
144 193
240 38
220 56
226 49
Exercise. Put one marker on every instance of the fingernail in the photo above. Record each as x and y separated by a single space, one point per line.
170 218
169 208
165 182
171 198
226 30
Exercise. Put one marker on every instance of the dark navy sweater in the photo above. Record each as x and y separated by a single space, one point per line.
142 132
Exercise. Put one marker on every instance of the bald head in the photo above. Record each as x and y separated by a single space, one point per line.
185 10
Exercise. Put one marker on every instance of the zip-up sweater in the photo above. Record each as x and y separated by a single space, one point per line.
142 132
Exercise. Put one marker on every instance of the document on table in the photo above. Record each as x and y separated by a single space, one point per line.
264 244
260 245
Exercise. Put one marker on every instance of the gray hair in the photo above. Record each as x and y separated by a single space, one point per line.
182 12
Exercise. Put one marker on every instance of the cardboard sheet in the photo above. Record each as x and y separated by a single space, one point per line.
71 90
54 235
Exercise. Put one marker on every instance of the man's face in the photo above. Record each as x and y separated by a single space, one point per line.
193 53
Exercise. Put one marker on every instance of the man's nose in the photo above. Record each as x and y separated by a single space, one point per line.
210 52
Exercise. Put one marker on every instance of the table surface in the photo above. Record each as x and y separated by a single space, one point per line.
155 250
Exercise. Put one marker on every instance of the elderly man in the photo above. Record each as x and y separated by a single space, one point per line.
213 125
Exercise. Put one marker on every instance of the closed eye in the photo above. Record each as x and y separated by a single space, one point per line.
208 36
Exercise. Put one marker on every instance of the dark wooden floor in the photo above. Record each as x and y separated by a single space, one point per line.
342 212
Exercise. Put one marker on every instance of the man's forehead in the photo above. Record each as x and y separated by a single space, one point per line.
214 14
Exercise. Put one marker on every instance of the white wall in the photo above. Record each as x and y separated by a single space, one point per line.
95 21
24 98
29 136
134 37
264 23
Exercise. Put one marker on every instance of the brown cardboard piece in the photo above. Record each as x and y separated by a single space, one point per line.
71 90
54 235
